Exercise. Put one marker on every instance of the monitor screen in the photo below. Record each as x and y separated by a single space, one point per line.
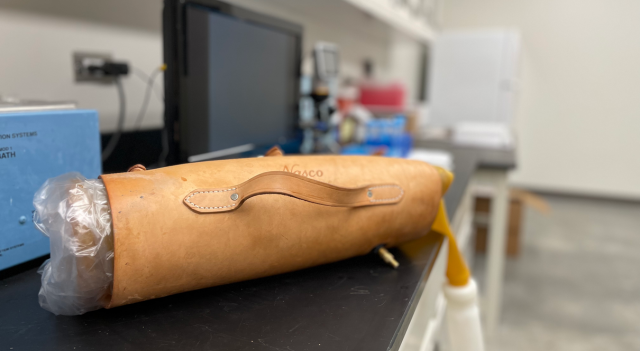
239 85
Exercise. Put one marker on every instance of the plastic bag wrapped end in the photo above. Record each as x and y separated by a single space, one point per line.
74 212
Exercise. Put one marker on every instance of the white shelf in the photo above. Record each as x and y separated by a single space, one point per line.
409 17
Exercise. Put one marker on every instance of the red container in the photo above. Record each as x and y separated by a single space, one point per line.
383 97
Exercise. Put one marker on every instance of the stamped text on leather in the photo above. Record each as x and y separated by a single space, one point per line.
305 173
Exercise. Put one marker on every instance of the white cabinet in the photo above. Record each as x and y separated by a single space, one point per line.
473 77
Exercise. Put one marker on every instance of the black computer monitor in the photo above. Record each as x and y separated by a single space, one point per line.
232 79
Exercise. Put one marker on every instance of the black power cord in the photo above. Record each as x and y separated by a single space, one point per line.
145 78
147 94
113 142
115 70
111 69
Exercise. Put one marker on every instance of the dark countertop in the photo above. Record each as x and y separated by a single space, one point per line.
356 304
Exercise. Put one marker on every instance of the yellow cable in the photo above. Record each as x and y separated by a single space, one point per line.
457 270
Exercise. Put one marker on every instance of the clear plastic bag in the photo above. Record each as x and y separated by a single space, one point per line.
74 213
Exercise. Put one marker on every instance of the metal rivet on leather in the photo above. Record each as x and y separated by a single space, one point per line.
234 197
369 193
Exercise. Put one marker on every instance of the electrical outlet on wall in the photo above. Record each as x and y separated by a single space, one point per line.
82 63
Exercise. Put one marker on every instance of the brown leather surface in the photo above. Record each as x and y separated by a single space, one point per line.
274 151
286 183
162 247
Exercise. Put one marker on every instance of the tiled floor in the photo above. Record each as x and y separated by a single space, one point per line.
576 284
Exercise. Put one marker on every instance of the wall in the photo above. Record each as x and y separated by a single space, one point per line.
37 38
579 106
358 35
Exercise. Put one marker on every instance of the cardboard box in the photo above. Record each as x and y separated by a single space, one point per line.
483 206
518 199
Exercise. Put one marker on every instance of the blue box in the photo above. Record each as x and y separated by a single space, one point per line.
35 146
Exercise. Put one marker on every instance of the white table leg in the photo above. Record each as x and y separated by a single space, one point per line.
496 248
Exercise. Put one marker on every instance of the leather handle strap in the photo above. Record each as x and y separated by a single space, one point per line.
285 183
137 168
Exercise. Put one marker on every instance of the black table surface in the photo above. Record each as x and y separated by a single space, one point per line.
356 304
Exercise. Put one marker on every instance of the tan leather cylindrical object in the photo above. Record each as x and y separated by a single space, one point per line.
199 225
